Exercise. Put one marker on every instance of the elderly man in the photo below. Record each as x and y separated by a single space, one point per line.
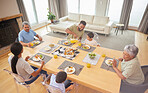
130 67
76 31
27 35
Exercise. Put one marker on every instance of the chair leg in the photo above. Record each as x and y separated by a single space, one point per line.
16 86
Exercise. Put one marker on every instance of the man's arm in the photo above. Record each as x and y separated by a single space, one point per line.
39 37
119 73
35 73
70 32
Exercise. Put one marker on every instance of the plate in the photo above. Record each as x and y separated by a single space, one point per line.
86 47
109 62
69 70
37 58
47 48
51 45
36 42
67 43
69 52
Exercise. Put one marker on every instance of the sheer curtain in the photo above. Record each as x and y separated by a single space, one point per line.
58 7
22 10
125 14
143 27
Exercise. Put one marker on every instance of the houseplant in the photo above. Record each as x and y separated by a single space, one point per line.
51 16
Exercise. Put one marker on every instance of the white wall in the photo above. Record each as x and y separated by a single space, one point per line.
101 7
8 8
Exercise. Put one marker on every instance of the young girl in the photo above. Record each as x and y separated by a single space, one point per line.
21 67
90 40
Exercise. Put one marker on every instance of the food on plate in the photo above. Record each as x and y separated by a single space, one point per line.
69 51
70 69
109 62
67 43
40 56
86 47
36 42
79 44
92 55
51 45
31 44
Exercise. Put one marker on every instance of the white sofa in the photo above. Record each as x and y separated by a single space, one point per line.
99 24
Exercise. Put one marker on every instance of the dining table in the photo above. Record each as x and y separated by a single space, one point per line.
95 77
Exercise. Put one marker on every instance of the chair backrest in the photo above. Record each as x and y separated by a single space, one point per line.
52 89
145 72
130 88
18 78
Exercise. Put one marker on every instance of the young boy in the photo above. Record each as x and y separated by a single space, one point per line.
90 40
58 81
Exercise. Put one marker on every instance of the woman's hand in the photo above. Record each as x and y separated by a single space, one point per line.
26 59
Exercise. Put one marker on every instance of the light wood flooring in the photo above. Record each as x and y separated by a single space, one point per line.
7 84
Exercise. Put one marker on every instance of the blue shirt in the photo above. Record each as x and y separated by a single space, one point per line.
26 37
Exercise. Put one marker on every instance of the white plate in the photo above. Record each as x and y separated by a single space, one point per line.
68 71
47 48
87 46
108 62
66 42
37 59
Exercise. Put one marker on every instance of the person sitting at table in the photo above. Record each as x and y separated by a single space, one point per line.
21 67
76 31
59 80
27 35
90 40
131 71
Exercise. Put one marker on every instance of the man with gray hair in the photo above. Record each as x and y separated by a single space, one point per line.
130 67
27 35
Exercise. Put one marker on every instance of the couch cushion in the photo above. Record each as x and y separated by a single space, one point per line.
95 27
62 25
87 18
74 17
100 20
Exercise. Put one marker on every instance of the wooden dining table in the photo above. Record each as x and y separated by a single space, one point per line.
94 77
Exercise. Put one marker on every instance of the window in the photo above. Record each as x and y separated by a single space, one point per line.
82 6
137 12
41 9
30 11
87 7
36 10
73 6
115 8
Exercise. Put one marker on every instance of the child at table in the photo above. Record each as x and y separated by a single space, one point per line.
90 40
59 80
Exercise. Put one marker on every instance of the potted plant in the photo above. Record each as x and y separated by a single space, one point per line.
51 16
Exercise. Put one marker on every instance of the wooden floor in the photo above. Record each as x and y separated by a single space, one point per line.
7 84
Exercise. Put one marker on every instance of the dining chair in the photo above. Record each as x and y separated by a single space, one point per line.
49 88
18 79
130 88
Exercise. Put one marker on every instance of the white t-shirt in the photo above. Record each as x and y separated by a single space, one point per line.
22 67
93 42
53 82
132 71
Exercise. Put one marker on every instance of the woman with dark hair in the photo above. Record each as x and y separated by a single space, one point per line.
21 67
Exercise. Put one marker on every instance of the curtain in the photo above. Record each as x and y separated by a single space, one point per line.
143 27
125 14
58 8
22 10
